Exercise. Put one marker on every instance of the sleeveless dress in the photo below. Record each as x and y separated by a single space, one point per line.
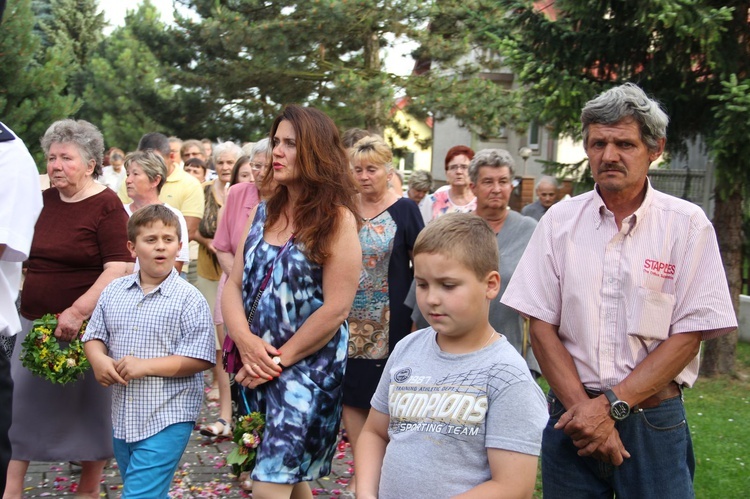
302 406
379 318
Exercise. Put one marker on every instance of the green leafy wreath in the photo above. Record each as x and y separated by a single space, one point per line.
42 355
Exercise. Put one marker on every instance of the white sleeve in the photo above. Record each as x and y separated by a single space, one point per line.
21 199
184 254
21 204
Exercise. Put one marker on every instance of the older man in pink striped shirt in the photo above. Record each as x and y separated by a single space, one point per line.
621 284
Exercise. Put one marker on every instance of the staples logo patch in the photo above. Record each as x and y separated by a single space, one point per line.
661 269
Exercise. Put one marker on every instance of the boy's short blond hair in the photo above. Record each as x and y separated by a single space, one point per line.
462 236
147 215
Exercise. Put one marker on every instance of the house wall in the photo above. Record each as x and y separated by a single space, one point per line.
448 132
420 131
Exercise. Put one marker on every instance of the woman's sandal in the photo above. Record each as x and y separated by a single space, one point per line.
213 394
219 429
246 483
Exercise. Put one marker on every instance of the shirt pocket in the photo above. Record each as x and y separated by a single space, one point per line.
650 315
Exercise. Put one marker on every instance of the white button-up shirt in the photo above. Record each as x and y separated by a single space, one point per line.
19 209
616 295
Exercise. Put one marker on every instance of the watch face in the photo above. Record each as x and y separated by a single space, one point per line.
620 410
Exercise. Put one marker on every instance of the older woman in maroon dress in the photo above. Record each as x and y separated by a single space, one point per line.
79 246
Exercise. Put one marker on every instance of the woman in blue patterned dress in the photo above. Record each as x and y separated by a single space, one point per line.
379 318
303 242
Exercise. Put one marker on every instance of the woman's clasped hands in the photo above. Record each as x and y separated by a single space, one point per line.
258 365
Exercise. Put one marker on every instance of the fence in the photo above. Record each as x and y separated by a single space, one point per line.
695 186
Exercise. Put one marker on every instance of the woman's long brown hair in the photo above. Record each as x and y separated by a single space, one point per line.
325 180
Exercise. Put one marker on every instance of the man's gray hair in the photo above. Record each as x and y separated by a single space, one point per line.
83 135
494 158
260 147
626 101
547 180
157 142
420 180
226 147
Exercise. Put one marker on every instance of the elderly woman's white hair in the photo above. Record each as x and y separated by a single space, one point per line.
226 147
263 146
491 157
82 134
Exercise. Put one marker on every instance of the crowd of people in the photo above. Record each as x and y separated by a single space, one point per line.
419 319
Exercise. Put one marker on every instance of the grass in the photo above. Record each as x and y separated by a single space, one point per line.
718 411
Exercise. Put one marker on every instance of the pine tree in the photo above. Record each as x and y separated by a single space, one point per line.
253 56
692 55
32 81
75 26
125 92
456 71
43 15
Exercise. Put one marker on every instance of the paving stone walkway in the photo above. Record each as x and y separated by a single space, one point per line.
203 472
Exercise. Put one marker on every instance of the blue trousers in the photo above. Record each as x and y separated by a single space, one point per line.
661 463
147 466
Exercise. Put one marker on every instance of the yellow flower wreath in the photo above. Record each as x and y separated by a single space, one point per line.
41 353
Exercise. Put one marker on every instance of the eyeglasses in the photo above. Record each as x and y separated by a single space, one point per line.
453 168
257 166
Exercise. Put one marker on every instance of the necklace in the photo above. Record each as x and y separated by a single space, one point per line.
492 334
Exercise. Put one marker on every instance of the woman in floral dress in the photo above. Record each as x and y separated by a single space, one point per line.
302 243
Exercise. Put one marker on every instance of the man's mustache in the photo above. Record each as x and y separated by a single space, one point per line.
609 167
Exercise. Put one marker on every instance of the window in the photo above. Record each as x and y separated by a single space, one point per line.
533 136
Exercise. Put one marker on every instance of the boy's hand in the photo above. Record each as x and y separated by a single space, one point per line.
105 370
130 367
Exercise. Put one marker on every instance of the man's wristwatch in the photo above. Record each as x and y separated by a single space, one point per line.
618 409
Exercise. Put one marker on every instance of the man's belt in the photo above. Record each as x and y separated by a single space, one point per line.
670 391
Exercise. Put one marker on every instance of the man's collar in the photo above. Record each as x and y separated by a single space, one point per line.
601 208
175 175
640 213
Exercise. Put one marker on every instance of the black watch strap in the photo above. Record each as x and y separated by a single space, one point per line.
618 409
611 396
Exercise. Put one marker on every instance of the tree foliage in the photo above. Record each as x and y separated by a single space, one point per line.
128 90
693 55
32 81
678 51
254 56
456 69
75 27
